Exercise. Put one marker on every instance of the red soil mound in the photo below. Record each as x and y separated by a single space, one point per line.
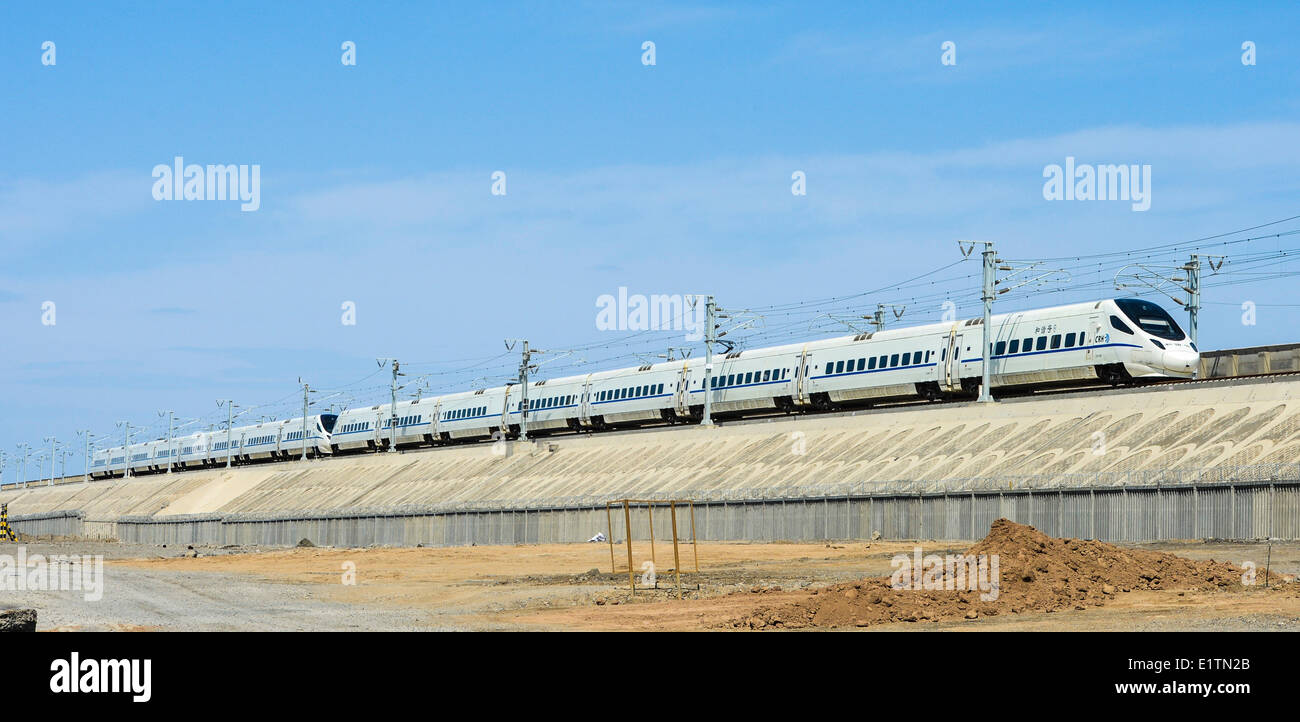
1034 573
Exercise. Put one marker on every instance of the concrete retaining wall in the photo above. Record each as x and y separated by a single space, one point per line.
1228 511
1249 361
49 524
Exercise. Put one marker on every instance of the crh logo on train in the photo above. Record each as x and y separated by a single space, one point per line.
953 572
637 312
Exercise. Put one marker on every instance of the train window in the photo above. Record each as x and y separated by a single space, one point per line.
884 362
1056 340
1042 343
1069 340
907 359
1000 349
1119 325
767 375
731 379
1151 318
871 362
1015 346
893 361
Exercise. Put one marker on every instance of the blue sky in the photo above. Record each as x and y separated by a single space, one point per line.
671 178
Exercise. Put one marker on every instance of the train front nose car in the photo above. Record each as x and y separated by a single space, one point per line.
1180 361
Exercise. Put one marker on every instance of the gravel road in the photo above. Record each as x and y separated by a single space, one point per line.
145 599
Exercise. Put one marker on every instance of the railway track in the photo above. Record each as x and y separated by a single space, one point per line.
1063 391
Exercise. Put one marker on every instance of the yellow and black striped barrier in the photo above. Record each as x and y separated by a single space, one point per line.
5 532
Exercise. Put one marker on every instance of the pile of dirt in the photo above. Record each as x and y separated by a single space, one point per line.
1034 573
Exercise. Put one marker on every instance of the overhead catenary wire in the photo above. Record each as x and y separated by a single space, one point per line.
921 294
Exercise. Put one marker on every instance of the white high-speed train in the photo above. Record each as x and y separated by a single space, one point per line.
1113 341
256 442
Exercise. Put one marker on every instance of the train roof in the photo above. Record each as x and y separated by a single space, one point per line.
792 348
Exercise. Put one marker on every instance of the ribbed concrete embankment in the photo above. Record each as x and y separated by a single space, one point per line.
1216 458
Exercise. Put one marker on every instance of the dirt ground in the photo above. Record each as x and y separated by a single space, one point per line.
570 587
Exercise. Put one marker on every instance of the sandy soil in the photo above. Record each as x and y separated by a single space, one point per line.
570 587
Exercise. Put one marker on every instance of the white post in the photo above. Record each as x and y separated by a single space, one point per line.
710 336
305 391
86 473
523 398
989 281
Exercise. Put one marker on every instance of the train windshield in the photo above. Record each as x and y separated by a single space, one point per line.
327 421
1151 318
